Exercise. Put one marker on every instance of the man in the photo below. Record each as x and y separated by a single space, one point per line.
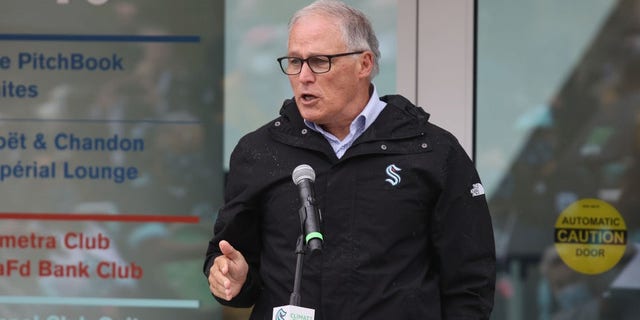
407 232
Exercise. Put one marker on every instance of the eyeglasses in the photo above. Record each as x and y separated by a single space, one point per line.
318 64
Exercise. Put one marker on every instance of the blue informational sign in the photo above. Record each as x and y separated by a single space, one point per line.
110 157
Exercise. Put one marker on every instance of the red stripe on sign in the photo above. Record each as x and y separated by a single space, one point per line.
99 217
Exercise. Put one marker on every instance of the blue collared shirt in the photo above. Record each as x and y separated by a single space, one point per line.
358 125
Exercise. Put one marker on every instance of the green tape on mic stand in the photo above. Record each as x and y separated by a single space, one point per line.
313 235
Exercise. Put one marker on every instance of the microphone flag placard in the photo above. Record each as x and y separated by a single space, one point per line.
290 312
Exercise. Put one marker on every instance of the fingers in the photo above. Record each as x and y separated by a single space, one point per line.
219 281
228 272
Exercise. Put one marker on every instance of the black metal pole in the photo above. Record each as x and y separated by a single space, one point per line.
294 300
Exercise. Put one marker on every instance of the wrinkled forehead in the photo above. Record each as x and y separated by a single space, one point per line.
315 34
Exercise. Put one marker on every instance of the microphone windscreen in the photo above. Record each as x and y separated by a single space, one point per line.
301 172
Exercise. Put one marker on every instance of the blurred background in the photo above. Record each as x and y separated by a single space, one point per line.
556 119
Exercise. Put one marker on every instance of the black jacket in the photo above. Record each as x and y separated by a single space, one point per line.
420 249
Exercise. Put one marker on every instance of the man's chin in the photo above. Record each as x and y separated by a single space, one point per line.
309 114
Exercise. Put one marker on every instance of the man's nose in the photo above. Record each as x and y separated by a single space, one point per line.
306 74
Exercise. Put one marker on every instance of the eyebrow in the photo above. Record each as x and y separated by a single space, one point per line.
300 56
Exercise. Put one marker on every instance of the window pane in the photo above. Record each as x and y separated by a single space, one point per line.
557 121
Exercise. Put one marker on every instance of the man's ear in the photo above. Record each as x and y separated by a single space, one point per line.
366 64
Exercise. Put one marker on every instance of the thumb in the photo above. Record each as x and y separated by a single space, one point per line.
229 251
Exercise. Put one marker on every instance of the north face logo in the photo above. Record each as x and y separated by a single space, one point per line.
477 190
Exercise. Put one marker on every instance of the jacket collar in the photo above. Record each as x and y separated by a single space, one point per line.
399 120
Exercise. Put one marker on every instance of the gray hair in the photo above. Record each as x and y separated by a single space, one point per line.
356 28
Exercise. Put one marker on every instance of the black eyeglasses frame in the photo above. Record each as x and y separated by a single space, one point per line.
303 61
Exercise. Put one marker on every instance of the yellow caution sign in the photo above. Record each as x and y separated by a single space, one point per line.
590 236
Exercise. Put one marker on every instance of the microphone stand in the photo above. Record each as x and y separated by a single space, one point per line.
301 247
294 300
294 309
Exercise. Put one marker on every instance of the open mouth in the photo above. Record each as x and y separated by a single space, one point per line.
307 97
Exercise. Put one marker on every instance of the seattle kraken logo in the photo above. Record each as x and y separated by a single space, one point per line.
392 172
281 314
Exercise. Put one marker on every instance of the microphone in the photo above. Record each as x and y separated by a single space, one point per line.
304 176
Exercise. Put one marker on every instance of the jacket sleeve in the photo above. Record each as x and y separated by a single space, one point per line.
238 222
464 242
